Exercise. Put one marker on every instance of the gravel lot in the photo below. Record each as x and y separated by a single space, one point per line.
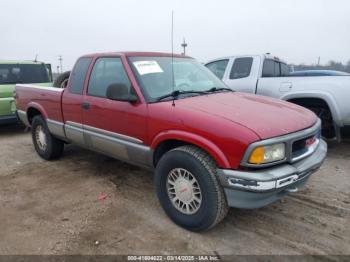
54 208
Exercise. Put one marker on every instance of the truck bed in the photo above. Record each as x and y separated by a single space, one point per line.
46 99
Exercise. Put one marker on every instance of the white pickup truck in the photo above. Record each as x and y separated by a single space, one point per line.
327 96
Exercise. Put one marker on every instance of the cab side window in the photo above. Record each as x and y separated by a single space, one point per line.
107 71
218 67
78 75
271 68
284 69
241 67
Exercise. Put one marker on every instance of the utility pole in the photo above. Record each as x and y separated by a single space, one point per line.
184 45
60 60
319 60
58 69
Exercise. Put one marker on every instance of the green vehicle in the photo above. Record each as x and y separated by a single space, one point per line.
24 72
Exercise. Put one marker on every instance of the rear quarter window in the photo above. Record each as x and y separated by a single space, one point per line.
78 75
271 68
284 69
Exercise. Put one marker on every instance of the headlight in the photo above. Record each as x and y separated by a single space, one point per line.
267 154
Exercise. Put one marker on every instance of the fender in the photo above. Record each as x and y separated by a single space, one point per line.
197 140
327 97
37 107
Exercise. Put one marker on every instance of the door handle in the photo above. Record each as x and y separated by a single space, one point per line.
85 105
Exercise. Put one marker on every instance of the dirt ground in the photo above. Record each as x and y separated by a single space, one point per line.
54 208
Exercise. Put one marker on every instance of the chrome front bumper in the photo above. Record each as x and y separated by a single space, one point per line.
257 188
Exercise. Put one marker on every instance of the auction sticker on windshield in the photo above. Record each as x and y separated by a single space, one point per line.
147 67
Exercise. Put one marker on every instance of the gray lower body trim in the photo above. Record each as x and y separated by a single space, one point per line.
115 145
112 134
118 148
56 128
254 189
22 115
74 133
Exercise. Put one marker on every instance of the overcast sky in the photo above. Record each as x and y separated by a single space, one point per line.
299 31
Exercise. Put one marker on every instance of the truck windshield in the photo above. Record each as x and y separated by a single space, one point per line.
154 75
23 73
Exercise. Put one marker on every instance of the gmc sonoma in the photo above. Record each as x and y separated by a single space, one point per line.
211 148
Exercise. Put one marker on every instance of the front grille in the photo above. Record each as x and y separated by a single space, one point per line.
305 146
299 147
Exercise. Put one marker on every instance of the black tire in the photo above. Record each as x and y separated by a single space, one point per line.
213 207
328 129
321 109
62 80
54 147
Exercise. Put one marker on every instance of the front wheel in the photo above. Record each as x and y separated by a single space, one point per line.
45 144
188 189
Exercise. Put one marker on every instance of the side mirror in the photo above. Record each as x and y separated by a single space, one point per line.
120 92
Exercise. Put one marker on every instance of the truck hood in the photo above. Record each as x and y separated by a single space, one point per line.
267 117
6 90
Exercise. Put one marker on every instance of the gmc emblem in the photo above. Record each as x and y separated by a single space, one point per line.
310 141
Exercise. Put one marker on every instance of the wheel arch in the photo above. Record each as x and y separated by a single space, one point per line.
323 97
166 141
33 110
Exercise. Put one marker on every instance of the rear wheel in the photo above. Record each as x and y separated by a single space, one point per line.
188 189
46 145
322 110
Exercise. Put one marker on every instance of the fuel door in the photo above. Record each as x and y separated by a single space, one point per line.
286 87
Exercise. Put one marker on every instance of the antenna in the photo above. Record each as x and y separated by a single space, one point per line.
172 55
60 60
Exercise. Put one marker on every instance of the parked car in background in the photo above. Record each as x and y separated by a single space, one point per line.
211 147
267 75
318 73
13 72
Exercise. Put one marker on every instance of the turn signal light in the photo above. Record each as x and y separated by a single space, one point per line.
257 156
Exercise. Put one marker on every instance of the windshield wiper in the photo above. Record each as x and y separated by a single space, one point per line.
216 89
175 94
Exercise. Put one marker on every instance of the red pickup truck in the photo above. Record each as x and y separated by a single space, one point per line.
211 148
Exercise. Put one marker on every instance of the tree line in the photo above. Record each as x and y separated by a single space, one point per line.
331 65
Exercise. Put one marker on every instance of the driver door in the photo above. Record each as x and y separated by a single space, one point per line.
115 128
